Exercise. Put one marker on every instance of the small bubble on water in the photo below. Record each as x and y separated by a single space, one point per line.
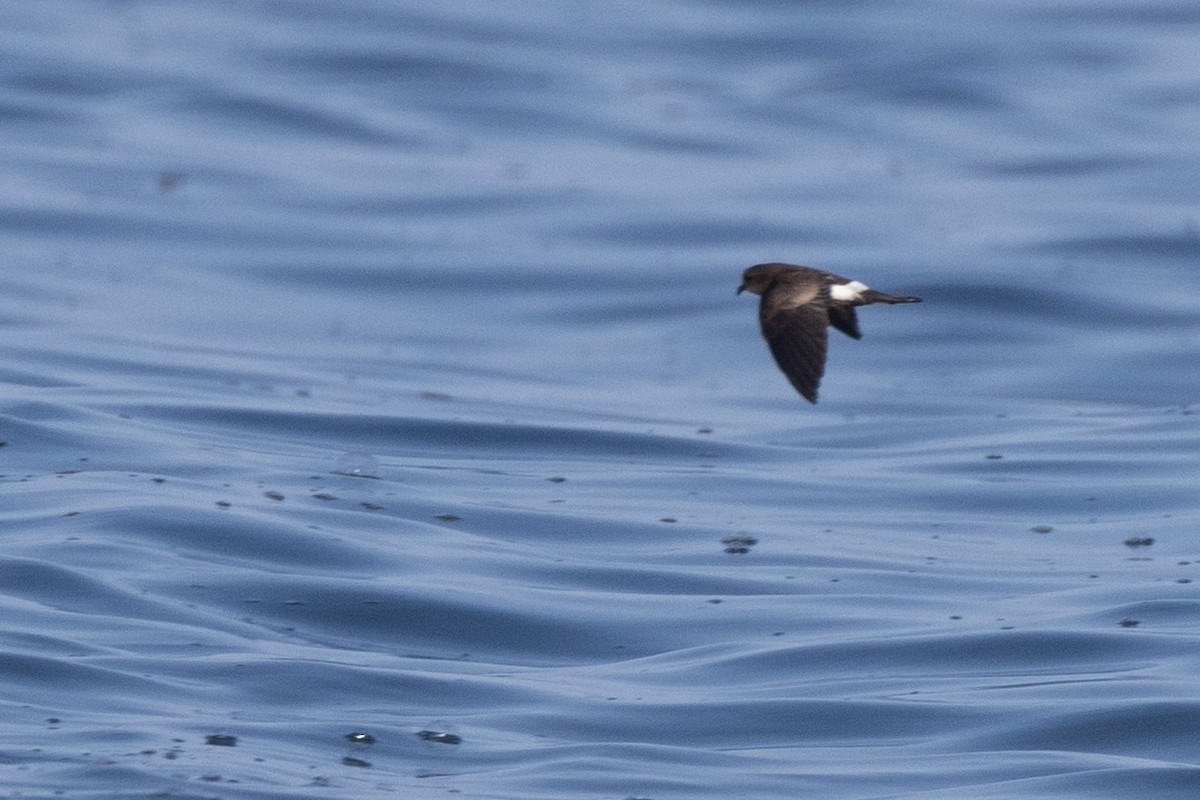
357 465
441 737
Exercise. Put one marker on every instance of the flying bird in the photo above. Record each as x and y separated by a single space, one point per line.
797 305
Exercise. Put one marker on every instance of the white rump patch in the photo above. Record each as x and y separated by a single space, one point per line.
847 292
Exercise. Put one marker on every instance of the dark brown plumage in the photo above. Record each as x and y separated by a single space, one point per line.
797 306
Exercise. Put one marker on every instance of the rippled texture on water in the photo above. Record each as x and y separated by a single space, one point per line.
374 370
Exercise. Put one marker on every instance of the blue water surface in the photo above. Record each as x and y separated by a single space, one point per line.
379 418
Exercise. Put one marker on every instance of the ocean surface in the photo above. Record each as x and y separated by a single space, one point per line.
379 418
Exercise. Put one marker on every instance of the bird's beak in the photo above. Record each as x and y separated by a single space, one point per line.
741 288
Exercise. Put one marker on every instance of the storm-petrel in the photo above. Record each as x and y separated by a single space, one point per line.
797 305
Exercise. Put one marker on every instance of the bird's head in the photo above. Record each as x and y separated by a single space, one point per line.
758 278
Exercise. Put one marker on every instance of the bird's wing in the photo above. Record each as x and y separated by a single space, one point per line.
842 317
797 337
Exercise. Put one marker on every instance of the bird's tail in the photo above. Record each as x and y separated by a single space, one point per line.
872 296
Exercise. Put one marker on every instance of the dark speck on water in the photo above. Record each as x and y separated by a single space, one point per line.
738 545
